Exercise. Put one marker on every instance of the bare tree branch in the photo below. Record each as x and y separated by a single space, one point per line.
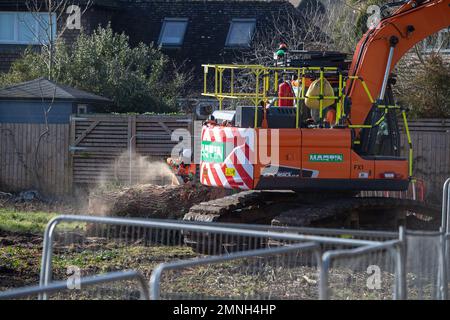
56 10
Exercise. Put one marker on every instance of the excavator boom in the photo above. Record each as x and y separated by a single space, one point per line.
398 33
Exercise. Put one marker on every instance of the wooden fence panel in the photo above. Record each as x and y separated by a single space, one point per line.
26 163
431 146
100 145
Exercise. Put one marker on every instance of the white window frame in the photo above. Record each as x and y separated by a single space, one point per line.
165 22
428 49
81 108
35 32
238 20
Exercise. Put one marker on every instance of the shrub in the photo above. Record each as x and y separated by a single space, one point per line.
424 86
139 79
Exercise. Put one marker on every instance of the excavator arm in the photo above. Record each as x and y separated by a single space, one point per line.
381 47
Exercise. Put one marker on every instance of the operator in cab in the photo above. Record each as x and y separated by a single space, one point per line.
330 117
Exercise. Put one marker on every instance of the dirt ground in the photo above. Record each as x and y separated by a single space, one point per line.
21 229
257 278
22 225
20 256
19 259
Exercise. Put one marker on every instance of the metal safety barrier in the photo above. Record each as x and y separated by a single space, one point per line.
211 239
413 264
82 282
426 265
394 252
369 235
155 280
139 244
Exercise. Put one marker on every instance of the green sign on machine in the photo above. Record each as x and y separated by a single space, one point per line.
314 157
212 151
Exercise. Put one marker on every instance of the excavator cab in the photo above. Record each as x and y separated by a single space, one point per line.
382 139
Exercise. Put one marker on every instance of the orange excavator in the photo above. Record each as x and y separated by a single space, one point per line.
267 148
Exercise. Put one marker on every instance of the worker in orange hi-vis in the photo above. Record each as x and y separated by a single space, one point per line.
285 94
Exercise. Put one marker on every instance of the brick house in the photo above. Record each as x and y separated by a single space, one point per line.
190 32
16 22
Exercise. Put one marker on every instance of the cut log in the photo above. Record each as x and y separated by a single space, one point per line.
151 201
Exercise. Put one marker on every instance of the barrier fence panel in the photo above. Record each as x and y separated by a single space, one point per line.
288 272
235 262
424 264
104 244
370 272
126 285
369 235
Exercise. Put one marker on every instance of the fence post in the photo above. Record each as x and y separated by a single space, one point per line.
155 279
72 134
323 279
47 251
445 229
446 264
442 276
131 137
401 293
446 206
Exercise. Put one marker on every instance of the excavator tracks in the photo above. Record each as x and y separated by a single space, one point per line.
285 208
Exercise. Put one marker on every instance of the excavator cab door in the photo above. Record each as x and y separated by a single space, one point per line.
383 139
381 142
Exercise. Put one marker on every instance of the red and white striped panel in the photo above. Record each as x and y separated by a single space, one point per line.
236 172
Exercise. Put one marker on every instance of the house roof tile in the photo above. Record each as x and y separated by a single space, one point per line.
44 89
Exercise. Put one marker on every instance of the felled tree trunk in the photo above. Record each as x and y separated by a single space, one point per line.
151 201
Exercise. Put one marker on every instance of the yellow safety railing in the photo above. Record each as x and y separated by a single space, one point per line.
266 81
408 136
261 92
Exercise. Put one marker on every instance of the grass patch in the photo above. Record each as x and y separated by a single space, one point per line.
20 264
121 257
28 222
24 222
